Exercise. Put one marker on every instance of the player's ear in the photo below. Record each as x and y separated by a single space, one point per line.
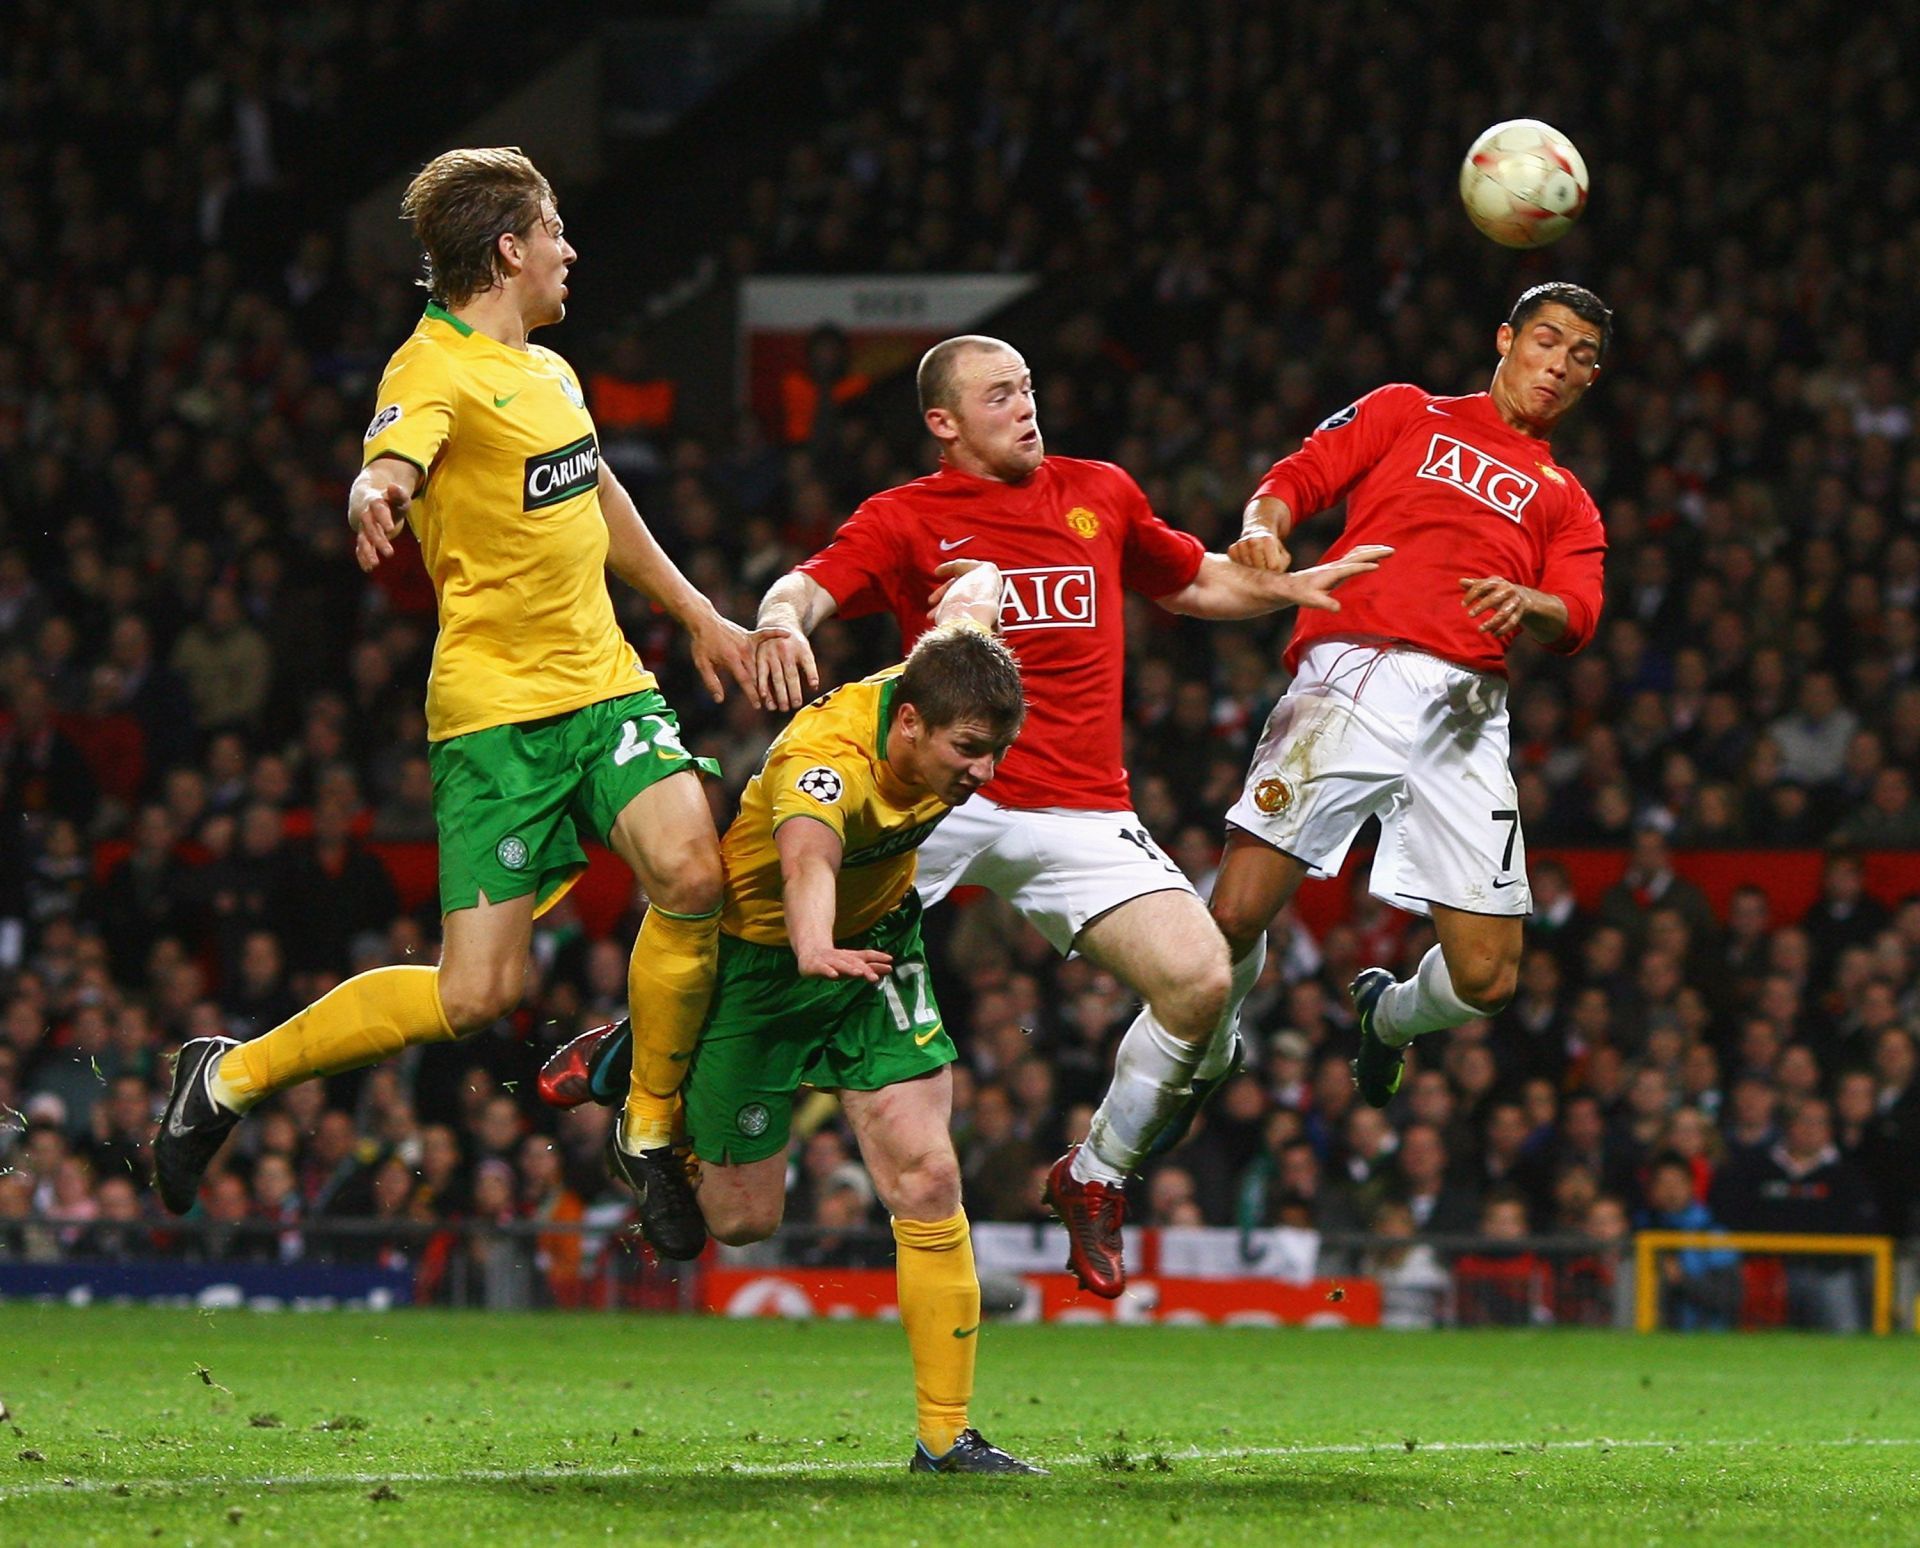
1503 340
940 425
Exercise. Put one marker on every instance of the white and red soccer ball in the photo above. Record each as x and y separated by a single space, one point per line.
1523 183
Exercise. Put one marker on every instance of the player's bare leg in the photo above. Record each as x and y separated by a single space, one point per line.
906 1139
1163 946
666 835
1471 972
371 1016
744 1204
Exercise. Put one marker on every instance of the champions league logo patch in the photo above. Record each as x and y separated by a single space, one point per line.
1335 421
511 852
385 419
1272 796
821 783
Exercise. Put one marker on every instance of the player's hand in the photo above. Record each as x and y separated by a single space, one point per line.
721 645
1313 588
841 962
1258 549
1505 604
783 666
375 523
953 569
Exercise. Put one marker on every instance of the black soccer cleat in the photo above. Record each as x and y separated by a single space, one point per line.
1199 1093
670 1217
1378 1066
193 1126
970 1453
597 1066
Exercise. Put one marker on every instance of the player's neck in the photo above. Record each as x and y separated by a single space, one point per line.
970 463
495 314
1511 416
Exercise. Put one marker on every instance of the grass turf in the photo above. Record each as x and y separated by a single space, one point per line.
424 1427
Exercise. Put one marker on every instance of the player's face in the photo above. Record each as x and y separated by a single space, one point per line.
546 255
954 761
995 418
1546 366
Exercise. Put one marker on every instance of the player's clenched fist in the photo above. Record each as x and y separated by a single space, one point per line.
1259 549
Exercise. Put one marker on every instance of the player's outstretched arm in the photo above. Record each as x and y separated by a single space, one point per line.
377 506
719 645
810 854
794 606
1225 589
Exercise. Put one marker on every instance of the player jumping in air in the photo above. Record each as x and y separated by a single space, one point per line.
1398 708
1058 838
823 982
543 725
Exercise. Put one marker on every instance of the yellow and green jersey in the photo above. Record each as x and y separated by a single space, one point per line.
509 524
830 764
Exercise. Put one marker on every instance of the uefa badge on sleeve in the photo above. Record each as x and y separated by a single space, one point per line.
822 783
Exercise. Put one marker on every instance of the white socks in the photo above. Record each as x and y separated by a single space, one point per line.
1426 1002
1151 1077
1246 973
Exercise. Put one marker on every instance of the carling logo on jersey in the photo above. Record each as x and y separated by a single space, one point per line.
1487 479
1051 597
560 475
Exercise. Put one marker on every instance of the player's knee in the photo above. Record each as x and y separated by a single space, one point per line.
473 1002
742 1222
929 1189
1487 985
694 886
1241 921
1192 1005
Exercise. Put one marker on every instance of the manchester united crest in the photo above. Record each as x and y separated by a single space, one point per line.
1272 796
1083 523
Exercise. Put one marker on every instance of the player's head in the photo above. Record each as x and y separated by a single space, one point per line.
976 395
957 709
486 220
1550 348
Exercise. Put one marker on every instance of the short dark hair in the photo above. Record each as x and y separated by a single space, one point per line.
934 379
958 672
460 204
1577 299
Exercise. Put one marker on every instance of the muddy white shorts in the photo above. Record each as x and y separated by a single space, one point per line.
1060 867
1370 729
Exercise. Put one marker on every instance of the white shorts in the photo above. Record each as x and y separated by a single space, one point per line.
1370 729
1060 867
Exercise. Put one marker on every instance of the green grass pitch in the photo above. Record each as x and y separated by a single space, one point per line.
131 1426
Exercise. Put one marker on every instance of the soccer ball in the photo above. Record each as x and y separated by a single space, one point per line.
1523 183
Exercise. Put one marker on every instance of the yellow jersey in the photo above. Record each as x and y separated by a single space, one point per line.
830 764
509 524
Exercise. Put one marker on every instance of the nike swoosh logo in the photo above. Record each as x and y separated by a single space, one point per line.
921 1042
500 402
1440 411
1499 884
945 544
966 1332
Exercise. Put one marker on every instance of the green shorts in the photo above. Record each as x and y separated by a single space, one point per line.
770 1031
513 802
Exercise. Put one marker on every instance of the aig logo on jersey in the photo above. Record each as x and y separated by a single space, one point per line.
560 475
1052 597
1487 479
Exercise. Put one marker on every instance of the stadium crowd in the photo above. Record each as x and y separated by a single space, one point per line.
210 717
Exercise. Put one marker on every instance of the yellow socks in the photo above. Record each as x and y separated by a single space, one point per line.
940 1309
367 1018
669 986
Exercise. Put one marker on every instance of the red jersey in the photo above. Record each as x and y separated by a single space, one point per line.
1069 541
1457 492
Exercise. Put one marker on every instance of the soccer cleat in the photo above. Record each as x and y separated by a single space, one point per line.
1198 1095
595 1067
1093 1213
1378 1066
970 1453
670 1217
193 1126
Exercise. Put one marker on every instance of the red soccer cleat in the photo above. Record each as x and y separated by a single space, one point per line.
566 1079
1092 1212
